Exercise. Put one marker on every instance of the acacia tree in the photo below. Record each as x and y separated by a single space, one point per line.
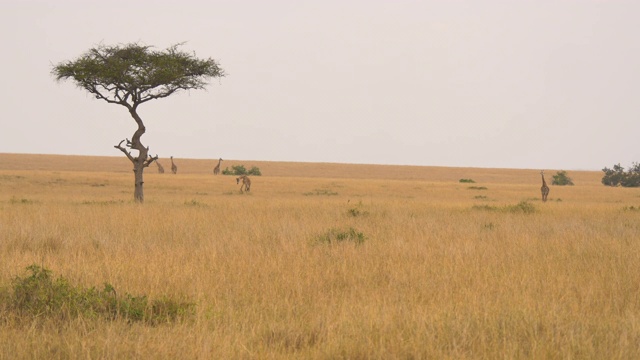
618 177
132 74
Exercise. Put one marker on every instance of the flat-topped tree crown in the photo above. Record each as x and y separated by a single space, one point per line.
132 74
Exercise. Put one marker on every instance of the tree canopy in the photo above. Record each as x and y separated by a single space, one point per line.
618 177
133 74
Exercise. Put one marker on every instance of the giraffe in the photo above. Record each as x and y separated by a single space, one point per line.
174 168
160 168
544 189
246 183
216 170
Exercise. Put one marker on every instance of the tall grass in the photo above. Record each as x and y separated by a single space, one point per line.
436 276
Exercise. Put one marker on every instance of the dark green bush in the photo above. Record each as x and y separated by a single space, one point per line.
39 295
561 178
238 170
466 181
618 177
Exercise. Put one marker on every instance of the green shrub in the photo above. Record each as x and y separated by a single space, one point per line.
254 171
561 178
238 170
39 295
466 181
522 206
477 188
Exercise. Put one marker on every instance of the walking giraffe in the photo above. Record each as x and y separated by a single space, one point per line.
160 168
216 170
246 183
544 189
174 168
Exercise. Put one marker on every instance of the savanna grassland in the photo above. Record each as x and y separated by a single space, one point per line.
319 261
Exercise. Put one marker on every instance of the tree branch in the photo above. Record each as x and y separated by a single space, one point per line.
150 160
119 147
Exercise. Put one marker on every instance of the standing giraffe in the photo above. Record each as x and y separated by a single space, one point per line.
544 189
216 170
174 168
160 168
246 183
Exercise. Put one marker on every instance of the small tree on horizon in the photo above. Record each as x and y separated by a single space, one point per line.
132 74
561 178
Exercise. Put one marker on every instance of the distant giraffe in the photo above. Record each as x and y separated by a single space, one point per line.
544 189
216 170
160 168
174 168
246 183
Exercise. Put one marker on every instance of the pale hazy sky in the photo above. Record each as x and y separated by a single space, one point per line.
547 84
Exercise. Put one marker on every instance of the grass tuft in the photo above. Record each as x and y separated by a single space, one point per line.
521 207
327 192
15 200
335 235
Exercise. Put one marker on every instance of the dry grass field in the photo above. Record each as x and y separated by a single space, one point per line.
323 261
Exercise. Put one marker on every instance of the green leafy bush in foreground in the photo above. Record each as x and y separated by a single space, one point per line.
39 295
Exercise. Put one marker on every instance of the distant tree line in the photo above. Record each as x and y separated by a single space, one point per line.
618 177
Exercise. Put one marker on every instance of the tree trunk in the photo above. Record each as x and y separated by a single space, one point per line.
139 162
142 160
138 169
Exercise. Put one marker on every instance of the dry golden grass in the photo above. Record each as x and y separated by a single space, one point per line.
444 271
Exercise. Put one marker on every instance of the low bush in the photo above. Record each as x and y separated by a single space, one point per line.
238 170
39 295
561 178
